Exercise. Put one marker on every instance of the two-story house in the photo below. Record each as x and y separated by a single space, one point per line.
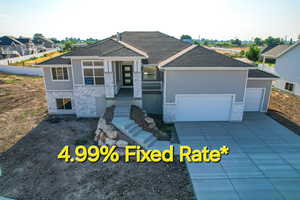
181 81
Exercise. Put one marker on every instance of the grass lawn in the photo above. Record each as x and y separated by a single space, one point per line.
36 60
285 108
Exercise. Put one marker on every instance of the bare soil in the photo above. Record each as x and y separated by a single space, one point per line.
30 141
285 108
30 169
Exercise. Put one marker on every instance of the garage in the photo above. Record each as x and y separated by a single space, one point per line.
254 98
203 107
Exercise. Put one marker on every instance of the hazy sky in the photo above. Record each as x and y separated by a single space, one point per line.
213 19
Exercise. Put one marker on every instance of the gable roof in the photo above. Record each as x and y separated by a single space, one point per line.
24 40
157 45
8 40
107 47
41 40
275 51
256 73
203 57
59 60
289 49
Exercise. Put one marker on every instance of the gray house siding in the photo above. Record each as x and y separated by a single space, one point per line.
267 84
77 68
152 102
205 82
57 85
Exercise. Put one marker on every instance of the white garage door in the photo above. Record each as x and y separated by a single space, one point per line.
196 107
254 97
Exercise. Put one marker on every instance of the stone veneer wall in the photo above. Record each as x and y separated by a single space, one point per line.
89 100
51 100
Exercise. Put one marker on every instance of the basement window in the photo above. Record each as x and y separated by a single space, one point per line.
64 104
289 86
59 74
93 72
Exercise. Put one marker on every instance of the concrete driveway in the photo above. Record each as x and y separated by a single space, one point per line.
264 159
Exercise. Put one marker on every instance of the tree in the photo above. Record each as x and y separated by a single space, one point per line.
270 41
298 37
53 39
253 53
37 35
258 41
67 46
185 37
291 41
236 42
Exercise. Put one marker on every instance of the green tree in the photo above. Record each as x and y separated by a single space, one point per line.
185 37
271 41
258 41
53 39
38 35
236 42
253 53
67 46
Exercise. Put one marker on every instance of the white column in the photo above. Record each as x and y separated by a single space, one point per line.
108 79
137 79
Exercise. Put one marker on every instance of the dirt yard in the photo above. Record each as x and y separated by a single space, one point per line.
22 107
285 108
30 141
30 169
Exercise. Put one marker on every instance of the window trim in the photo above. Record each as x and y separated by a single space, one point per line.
290 83
68 71
156 74
63 98
92 67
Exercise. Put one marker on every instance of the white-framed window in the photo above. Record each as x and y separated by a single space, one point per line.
59 73
63 103
93 72
149 73
289 86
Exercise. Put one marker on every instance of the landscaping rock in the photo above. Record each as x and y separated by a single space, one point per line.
112 134
110 142
101 123
121 143
149 120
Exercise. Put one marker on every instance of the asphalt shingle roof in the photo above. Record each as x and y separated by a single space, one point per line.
57 60
106 47
275 51
256 73
203 57
8 40
157 45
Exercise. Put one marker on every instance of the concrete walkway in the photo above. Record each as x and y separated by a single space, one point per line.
264 162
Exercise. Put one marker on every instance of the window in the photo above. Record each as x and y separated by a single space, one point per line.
64 104
93 72
149 73
289 86
59 73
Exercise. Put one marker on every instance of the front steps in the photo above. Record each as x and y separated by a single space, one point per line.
145 139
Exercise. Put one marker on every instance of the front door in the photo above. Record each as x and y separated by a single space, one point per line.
127 75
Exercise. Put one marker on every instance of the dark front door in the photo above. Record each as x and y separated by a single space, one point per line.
127 75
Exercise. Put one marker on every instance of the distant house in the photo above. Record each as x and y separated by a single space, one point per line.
269 54
30 47
44 42
11 47
288 68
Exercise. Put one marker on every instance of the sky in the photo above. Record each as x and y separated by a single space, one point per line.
211 19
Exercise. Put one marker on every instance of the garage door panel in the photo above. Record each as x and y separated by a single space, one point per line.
203 107
254 98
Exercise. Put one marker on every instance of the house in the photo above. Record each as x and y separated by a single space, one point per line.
44 43
269 54
11 47
288 68
181 81
30 47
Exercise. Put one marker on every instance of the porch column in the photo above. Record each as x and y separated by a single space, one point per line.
108 79
137 79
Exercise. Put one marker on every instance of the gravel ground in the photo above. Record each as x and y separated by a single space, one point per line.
30 169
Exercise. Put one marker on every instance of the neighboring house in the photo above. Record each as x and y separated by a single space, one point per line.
10 47
160 73
30 47
288 68
269 54
43 42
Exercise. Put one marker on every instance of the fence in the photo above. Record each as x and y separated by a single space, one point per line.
21 58
22 70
